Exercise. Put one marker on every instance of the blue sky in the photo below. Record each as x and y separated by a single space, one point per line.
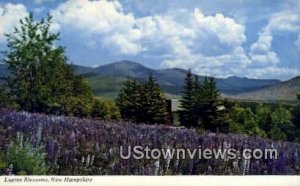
252 38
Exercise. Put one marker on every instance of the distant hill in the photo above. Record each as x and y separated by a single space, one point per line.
107 80
282 91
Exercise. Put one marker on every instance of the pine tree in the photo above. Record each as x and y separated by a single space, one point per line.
208 103
142 102
154 103
129 101
188 115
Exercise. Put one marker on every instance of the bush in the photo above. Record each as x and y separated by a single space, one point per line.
105 109
26 159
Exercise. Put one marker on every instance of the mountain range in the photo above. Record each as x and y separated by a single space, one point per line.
107 80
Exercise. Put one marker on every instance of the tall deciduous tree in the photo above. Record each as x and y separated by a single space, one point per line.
40 79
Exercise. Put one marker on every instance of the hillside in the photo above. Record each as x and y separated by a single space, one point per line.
107 80
282 91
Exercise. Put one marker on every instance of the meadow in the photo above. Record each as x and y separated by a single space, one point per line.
77 146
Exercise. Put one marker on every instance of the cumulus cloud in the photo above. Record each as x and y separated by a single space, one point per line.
264 60
10 14
98 17
261 51
208 44
179 42
274 72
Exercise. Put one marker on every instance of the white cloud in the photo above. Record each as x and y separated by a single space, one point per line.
131 35
226 29
261 51
93 16
284 21
105 18
264 60
273 72
208 44
10 14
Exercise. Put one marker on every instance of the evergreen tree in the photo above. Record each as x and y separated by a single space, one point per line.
40 80
129 101
188 115
154 103
142 102
208 104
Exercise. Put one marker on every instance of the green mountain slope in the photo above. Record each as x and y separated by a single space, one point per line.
283 91
107 80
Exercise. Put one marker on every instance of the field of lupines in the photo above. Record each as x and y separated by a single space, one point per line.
76 146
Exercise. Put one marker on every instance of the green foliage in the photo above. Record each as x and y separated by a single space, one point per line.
129 100
282 119
142 102
188 115
208 104
264 118
105 109
26 160
276 134
273 122
40 79
5 100
200 105
153 103
3 164
244 121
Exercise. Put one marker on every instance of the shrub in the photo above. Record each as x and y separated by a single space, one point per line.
105 109
26 159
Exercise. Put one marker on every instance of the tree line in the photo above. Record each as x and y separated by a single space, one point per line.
203 108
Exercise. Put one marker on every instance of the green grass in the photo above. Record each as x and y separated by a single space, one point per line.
106 86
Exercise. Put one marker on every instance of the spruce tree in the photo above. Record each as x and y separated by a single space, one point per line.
143 102
188 115
208 104
129 101
154 103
